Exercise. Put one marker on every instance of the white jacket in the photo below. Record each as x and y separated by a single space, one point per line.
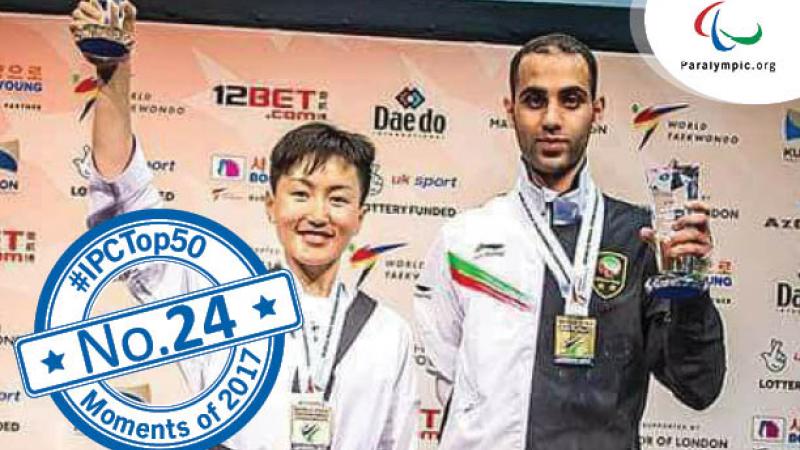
374 397
486 345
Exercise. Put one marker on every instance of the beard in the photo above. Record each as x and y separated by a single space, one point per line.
537 169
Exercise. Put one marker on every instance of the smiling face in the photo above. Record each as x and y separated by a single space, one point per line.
553 112
316 213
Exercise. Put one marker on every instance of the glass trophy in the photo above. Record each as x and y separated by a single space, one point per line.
107 42
671 187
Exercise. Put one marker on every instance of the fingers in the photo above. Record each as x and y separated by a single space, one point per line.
697 217
694 220
129 14
688 249
114 11
90 10
698 206
689 241
648 235
129 9
85 13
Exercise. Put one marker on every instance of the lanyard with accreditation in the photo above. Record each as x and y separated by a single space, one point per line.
311 419
575 332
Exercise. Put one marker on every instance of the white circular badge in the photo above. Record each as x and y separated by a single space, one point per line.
738 51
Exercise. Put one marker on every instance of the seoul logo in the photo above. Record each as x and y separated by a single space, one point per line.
716 30
236 326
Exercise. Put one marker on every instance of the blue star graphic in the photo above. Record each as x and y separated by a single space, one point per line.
265 307
54 362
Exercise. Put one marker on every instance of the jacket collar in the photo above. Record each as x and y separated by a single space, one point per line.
568 207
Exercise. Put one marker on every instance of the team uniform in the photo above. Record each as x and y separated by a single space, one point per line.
373 398
488 304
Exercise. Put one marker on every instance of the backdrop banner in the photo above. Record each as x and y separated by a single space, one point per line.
209 103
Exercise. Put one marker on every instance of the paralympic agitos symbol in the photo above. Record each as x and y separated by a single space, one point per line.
715 31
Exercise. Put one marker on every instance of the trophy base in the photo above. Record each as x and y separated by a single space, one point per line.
103 43
103 50
675 286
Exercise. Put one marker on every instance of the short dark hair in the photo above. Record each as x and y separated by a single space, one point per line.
545 45
316 143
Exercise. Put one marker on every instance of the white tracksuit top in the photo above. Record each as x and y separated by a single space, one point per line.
374 398
486 347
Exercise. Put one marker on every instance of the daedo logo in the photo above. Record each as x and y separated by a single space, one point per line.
716 30
411 121
787 297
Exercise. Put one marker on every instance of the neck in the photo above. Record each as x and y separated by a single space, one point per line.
559 182
316 280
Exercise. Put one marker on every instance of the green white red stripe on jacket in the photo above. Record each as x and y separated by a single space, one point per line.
473 277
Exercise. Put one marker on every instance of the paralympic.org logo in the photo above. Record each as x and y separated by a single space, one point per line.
716 30
737 51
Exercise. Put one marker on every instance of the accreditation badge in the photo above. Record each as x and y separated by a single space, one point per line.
311 422
575 340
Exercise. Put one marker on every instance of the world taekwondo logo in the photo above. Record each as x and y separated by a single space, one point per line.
366 257
88 87
716 30
648 119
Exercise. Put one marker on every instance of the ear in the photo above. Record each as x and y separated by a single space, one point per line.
508 105
362 213
269 206
598 109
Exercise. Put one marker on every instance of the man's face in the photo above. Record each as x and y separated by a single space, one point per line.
553 111
316 214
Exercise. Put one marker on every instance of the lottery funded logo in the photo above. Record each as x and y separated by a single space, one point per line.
246 313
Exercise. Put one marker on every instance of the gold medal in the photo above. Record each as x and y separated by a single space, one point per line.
575 340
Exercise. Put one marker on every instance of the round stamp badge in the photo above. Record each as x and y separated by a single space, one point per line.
238 324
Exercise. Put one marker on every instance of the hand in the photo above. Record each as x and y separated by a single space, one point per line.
691 235
90 12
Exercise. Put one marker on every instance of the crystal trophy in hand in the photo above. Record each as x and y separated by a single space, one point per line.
671 188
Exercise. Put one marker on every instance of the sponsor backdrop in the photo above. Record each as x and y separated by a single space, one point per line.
208 104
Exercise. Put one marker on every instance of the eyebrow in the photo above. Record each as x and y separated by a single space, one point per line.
538 90
335 187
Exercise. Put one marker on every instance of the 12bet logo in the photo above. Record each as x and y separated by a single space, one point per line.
279 103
